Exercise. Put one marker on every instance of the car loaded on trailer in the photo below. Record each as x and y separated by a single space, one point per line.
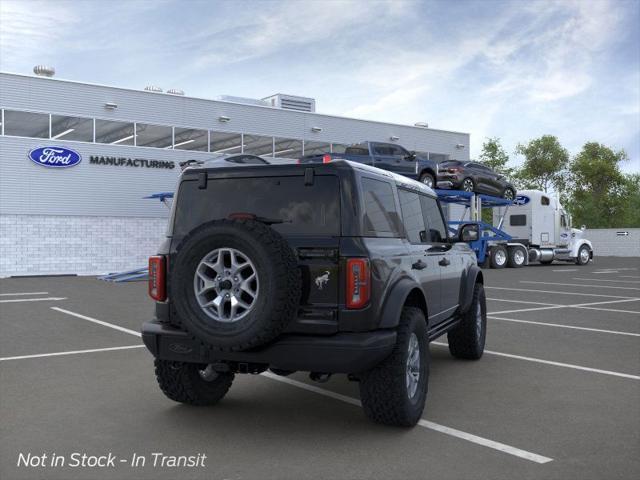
387 156
323 268
474 177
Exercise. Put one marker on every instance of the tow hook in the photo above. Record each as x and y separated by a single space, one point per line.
320 377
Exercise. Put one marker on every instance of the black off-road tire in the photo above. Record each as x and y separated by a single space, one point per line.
383 389
426 177
495 256
279 288
182 382
466 340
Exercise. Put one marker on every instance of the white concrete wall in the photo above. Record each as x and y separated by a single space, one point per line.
607 242
83 245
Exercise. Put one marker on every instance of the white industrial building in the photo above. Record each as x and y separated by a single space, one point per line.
91 217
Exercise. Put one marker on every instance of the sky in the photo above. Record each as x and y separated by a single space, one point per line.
514 69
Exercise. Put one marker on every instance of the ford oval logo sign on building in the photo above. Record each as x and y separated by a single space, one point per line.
55 157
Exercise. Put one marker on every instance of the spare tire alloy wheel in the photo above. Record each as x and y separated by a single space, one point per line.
226 284
467 185
235 284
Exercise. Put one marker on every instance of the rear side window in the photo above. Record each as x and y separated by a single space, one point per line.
436 230
412 215
518 220
381 216
361 149
301 209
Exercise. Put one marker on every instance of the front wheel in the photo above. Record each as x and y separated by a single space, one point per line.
394 392
466 340
428 180
584 255
192 383
468 185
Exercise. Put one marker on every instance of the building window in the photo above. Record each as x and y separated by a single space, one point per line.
191 139
316 148
26 124
338 148
287 148
115 133
71 128
258 145
438 157
156 136
226 142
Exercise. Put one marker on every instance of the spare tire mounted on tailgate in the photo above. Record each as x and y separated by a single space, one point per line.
235 284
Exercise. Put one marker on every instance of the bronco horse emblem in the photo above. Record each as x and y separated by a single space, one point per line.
322 280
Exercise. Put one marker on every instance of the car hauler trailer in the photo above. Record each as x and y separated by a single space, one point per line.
532 228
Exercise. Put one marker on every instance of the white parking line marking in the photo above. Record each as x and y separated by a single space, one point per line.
577 305
581 285
521 301
557 292
72 352
629 276
19 300
615 332
99 322
22 293
533 457
557 364
567 270
603 280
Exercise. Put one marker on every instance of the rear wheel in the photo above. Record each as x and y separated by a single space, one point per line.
517 257
468 185
498 256
394 391
428 180
467 339
508 194
192 383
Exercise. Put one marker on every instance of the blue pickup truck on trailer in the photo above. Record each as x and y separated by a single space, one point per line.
387 156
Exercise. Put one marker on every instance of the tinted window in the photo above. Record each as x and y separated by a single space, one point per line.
450 163
411 215
229 143
258 145
544 200
71 128
398 151
303 209
247 160
360 149
26 124
157 136
436 230
383 150
518 220
380 208
115 133
191 139
287 148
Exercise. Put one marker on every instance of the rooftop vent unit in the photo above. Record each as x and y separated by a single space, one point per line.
243 100
175 91
291 102
153 88
44 71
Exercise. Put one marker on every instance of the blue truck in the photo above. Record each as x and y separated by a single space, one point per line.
387 156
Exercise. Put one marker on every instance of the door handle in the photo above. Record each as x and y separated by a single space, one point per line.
444 262
419 265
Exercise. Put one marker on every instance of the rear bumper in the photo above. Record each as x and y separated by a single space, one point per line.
339 353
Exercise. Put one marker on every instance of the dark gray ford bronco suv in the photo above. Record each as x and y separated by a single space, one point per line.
328 268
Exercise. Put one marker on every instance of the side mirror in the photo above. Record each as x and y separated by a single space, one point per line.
411 156
469 233
583 227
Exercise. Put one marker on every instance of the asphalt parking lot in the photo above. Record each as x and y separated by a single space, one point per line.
556 395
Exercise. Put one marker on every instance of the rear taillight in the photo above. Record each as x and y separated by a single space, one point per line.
326 158
453 170
358 282
157 278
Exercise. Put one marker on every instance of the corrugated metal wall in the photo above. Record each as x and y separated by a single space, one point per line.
615 242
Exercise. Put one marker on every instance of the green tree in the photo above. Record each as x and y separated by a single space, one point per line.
545 164
599 194
494 156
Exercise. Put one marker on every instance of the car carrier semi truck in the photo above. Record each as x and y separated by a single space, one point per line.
532 228
538 222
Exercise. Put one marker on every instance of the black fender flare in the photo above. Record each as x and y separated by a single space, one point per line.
472 276
429 170
396 299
